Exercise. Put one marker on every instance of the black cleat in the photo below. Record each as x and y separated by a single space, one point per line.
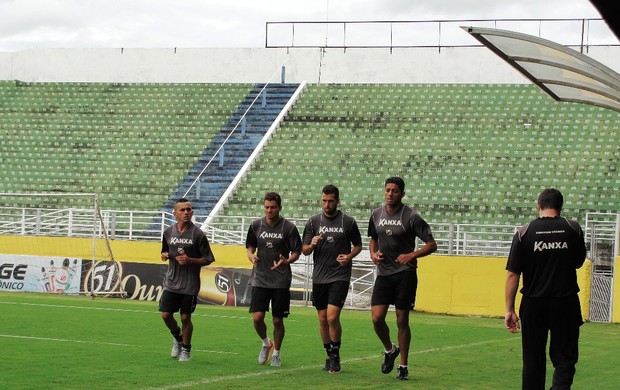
326 367
334 364
403 373
388 361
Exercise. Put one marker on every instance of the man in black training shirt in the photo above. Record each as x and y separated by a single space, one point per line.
186 249
547 251
393 229
272 244
334 240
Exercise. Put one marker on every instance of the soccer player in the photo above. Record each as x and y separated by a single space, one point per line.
45 280
547 251
334 240
393 229
187 250
61 277
272 244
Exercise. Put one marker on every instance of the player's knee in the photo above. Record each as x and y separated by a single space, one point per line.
333 320
278 322
186 320
378 320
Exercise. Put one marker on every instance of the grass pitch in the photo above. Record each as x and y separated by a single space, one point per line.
70 342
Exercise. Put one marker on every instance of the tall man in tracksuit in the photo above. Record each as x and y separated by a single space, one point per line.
547 251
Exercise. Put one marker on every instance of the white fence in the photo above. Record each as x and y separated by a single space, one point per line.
452 239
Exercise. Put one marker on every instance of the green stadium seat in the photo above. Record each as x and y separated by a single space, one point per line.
460 132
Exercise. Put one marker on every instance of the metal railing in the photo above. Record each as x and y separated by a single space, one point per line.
580 33
456 239
452 238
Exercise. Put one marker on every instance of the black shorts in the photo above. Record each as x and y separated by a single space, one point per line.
334 293
398 289
171 302
280 301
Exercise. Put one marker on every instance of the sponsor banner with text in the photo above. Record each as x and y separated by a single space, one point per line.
140 281
40 274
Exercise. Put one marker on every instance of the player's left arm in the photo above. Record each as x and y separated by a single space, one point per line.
355 238
511 320
345 258
294 245
420 228
429 247
293 257
581 250
201 261
205 250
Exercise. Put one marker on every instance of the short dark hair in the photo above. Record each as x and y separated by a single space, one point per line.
182 200
396 180
331 189
550 198
271 196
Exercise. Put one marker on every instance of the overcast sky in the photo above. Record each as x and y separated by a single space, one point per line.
27 24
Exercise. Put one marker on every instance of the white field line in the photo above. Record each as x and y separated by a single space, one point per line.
206 381
116 309
106 309
227 377
12 336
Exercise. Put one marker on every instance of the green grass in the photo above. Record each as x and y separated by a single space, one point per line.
50 341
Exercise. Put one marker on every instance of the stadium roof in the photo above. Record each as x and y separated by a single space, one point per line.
563 73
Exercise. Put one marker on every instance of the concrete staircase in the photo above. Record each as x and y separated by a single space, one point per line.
227 163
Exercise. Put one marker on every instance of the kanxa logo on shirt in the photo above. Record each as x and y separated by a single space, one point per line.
266 235
390 222
183 241
540 246
327 229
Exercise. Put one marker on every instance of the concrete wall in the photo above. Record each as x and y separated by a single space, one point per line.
416 65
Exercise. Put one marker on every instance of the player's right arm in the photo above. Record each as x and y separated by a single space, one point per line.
164 249
375 255
251 252
306 249
251 244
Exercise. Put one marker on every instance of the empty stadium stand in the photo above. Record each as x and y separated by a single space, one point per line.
470 153
132 144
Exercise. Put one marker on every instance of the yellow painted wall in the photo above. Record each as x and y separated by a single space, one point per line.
461 285
447 284
129 251
473 285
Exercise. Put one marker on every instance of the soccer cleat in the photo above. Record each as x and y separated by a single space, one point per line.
176 348
184 355
334 364
326 367
265 350
388 361
403 373
275 361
